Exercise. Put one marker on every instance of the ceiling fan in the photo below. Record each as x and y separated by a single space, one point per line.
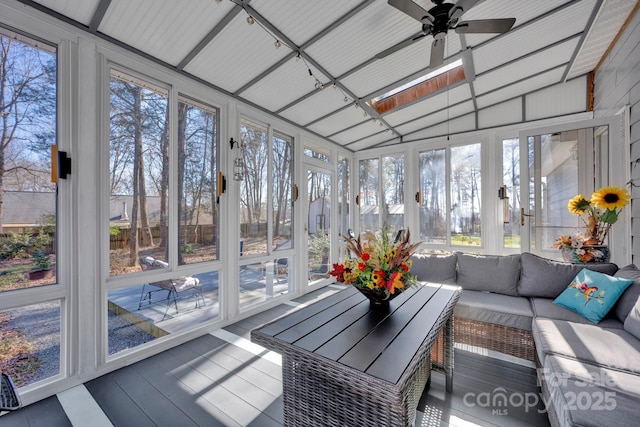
441 18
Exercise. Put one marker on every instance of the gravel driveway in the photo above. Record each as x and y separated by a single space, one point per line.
40 324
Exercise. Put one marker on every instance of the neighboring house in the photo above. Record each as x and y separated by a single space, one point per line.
26 208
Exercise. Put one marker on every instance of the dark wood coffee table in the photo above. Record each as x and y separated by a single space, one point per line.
344 364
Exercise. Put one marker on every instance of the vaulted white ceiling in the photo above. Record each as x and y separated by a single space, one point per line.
552 42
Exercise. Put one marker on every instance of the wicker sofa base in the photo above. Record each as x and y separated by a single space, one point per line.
504 339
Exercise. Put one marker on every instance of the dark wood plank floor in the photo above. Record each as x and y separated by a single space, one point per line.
222 379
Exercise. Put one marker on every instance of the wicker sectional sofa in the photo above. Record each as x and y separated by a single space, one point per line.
589 373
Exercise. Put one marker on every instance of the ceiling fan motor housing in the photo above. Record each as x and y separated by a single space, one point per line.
440 12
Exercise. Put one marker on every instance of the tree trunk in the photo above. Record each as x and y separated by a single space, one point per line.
147 237
137 164
182 128
164 183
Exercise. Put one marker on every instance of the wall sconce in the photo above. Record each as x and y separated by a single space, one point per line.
238 169
502 195
574 153
238 162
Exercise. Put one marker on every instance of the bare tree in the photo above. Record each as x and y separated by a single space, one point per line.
282 167
27 109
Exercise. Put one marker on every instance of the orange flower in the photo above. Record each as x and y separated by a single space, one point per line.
362 266
395 282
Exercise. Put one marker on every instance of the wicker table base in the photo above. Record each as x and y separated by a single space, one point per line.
316 397
343 365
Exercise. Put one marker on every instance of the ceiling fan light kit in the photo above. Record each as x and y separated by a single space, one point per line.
441 18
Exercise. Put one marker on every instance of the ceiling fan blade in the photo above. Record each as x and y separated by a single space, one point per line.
461 7
485 26
399 46
411 9
437 53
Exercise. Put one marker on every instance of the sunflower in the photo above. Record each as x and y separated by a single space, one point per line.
611 198
578 205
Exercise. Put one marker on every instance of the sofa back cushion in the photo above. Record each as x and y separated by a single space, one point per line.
631 295
492 273
542 277
632 322
435 268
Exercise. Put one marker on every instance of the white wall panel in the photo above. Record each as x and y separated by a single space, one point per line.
284 85
523 11
79 10
566 98
317 105
353 42
501 114
356 132
158 28
520 88
520 41
611 16
373 140
617 83
237 55
526 67
339 121
301 20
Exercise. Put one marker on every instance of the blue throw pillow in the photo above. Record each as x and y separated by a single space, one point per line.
592 294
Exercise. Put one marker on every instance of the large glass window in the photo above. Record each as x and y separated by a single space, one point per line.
266 213
138 173
197 165
369 195
393 191
450 210
344 194
160 302
381 197
253 189
466 185
433 197
27 195
511 201
318 223
30 333
282 222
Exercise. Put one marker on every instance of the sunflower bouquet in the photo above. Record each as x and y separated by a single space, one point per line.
598 215
381 267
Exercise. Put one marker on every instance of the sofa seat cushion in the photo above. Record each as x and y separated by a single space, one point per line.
614 349
544 307
491 273
489 307
542 277
435 268
582 394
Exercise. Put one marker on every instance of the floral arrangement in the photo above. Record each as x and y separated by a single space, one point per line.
598 215
381 268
